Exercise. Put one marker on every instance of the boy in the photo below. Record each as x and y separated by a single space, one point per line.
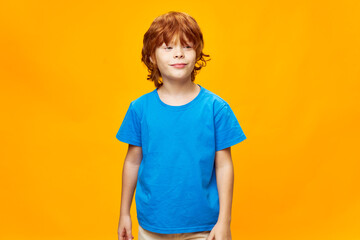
179 138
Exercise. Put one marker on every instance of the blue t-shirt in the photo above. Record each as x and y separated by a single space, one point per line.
176 190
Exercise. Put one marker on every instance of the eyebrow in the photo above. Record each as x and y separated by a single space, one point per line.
171 43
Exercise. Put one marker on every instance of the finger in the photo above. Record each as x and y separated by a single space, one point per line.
211 236
121 235
128 233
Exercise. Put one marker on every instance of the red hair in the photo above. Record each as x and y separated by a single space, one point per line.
162 30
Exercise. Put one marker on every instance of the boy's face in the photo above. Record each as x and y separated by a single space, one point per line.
174 53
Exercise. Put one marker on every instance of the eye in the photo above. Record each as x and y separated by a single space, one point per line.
168 48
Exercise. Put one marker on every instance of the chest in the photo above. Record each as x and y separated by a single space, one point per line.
191 128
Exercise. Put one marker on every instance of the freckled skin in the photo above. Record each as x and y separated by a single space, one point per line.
175 53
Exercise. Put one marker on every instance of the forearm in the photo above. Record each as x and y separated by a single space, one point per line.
129 178
225 184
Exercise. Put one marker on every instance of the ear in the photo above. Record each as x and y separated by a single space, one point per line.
152 60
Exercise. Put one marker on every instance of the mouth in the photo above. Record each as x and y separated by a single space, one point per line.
179 65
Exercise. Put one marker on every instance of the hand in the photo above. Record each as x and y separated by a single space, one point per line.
124 230
221 231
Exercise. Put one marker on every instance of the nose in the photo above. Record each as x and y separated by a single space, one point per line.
178 53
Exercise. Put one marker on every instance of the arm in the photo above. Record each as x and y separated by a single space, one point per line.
225 182
129 177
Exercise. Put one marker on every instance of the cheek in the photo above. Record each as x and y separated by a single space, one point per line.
193 59
192 56
161 61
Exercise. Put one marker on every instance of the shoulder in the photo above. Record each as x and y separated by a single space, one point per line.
138 104
215 100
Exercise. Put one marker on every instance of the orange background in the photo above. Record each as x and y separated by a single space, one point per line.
289 69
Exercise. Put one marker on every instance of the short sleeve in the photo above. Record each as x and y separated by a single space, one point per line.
130 129
228 131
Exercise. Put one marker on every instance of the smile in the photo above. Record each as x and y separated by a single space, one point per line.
179 65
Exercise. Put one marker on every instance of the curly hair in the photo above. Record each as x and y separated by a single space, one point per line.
162 30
